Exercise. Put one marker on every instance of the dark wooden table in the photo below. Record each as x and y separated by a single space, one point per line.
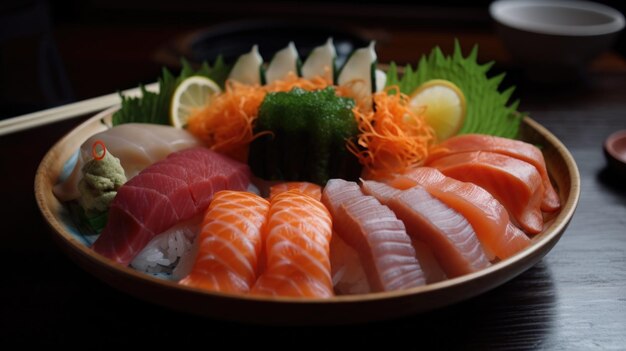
573 299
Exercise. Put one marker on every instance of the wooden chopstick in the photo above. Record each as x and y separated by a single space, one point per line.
75 109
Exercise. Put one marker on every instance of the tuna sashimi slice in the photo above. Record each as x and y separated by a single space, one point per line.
297 248
445 231
487 216
142 208
515 148
380 239
516 184
229 243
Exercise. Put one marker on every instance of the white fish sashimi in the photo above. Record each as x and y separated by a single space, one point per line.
137 145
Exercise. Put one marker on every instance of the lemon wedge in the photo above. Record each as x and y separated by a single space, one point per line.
192 93
444 105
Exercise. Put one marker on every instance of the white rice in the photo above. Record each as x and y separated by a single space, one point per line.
164 251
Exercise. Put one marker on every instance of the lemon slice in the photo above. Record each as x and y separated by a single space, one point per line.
445 106
192 93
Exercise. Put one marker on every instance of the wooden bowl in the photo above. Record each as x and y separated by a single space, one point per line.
340 309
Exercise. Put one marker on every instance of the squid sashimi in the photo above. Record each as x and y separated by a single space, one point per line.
230 243
444 230
379 237
487 216
137 145
168 192
516 184
297 248
515 148
311 189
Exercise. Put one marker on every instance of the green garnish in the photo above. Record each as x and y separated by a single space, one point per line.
155 107
487 109
305 137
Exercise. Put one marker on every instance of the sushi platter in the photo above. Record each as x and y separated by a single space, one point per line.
114 237
348 308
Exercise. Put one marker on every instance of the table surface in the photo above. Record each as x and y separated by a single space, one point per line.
574 298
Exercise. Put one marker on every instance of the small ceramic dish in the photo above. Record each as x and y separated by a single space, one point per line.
615 152
339 309
555 39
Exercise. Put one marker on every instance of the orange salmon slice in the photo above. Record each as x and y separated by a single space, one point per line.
313 190
516 184
514 148
229 243
487 216
297 248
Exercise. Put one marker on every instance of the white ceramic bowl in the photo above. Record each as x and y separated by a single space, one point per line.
555 39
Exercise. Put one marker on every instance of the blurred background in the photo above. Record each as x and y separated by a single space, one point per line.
52 53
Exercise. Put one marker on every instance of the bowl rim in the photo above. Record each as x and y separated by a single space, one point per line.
503 12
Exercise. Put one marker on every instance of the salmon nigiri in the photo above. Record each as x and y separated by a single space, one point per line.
311 189
297 248
449 235
516 184
515 148
487 216
378 236
229 243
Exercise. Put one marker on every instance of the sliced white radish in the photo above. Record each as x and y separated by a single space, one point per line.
381 79
321 62
283 62
359 72
247 69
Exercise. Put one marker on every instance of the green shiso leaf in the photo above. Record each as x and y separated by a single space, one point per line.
488 110
155 107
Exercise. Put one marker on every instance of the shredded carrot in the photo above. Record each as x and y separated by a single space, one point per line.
226 123
393 137
293 81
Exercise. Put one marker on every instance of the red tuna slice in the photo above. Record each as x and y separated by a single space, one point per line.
516 184
142 209
445 231
514 148
487 216
380 239
174 189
